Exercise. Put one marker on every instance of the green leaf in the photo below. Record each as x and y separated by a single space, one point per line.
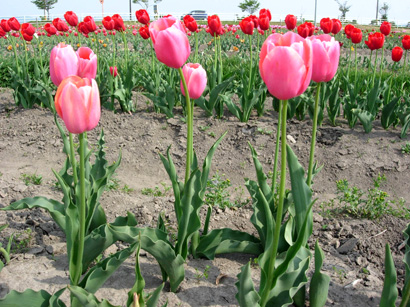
55 208
30 298
154 296
99 273
319 285
389 293
86 299
226 240
260 175
388 113
301 194
139 284
246 296
366 118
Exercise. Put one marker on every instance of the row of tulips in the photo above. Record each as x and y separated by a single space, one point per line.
287 65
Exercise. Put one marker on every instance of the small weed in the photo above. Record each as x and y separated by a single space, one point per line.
212 134
5 251
113 184
22 241
405 149
156 192
265 131
324 226
341 274
356 203
199 275
32 179
1 174
242 164
204 128
164 127
365 271
127 189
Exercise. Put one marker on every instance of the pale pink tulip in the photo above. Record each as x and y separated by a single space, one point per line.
170 41
326 53
87 63
195 77
285 64
63 63
77 102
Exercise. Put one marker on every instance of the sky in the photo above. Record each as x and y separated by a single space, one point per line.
364 10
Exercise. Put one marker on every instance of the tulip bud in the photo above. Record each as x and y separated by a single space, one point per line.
87 63
63 63
396 54
195 78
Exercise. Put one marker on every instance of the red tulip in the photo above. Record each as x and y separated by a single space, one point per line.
247 25
326 24
286 64
118 22
50 29
60 25
337 26
71 18
28 29
255 20
348 29
396 54
77 102
265 12
142 16
375 41
144 32
356 35
264 21
5 25
290 21
83 28
190 23
2 32
170 41
215 25
195 78
14 24
90 24
406 42
108 23
306 29
385 27
113 71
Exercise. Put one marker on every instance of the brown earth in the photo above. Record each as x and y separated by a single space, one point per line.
354 247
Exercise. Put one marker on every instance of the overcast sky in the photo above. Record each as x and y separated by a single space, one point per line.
360 9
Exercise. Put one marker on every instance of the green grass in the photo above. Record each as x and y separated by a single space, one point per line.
32 179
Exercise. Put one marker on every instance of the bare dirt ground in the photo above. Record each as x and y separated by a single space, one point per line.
354 248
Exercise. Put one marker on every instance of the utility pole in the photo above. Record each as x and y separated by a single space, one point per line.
377 12
315 12
130 11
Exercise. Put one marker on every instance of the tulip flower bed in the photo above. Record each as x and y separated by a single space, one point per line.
316 224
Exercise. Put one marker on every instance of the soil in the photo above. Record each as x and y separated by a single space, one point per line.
354 247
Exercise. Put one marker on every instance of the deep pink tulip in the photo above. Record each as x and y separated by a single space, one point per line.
195 77
77 102
170 41
285 64
326 53
63 63
87 63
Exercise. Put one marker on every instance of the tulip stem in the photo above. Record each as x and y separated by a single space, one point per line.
381 62
314 130
190 122
15 54
81 215
279 211
250 70
73 160
275 163
374 69
196 47
355 60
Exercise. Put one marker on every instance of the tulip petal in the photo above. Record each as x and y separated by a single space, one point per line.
172 47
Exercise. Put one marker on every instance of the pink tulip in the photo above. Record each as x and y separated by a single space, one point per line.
326 53
63 63
195 77
87 63
77 102
285 64
170 41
